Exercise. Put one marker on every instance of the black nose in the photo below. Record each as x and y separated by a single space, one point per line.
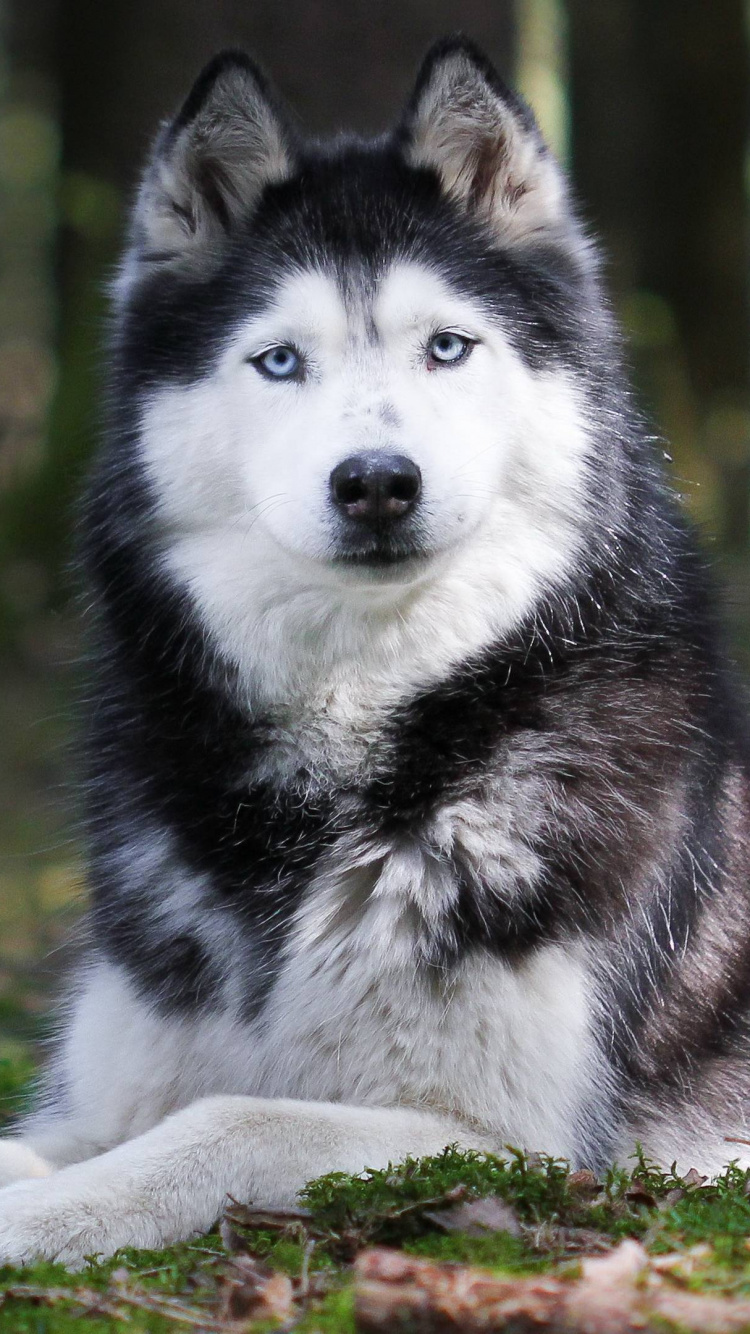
376 487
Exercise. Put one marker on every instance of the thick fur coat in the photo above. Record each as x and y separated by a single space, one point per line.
417 789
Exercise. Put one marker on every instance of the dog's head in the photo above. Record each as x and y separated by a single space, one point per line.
364 364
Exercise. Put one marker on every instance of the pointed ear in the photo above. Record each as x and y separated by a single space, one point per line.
483 142
210 166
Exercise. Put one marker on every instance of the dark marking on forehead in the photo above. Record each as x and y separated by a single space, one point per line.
371 327
357 284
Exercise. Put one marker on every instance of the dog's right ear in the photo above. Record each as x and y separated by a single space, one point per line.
485 148
209 167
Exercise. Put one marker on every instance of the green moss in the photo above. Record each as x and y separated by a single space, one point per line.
334 1315
498 1250
390 1205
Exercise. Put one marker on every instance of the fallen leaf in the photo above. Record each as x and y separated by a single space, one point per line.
477 1217
614 1294
254 1291
637 1194
682 1264
583 1182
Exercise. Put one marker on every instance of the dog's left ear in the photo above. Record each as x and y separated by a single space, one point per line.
208 169
485 146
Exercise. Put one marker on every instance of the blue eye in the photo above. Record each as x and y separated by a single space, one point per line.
447 348
279 363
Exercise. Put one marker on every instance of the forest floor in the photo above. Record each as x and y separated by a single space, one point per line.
459 1242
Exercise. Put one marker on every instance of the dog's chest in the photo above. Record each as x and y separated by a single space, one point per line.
356 1015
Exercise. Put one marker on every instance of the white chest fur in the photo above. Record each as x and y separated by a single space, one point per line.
354 1016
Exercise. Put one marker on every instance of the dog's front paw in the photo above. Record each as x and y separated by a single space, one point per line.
36 1224
67 1221
18 1162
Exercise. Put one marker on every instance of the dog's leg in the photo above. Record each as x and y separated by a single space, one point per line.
121 1068
39 1153
172 1182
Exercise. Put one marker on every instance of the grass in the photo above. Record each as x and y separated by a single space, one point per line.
558 1215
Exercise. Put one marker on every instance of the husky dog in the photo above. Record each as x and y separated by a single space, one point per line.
418 809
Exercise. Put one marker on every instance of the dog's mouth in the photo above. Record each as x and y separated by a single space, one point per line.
380 551
380 558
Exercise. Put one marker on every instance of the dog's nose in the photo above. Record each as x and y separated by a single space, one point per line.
376 487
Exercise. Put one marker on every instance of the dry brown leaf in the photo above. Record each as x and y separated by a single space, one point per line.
682 1264
637 1194
615 1294
477 1217
394 1291
254 1291
583 1182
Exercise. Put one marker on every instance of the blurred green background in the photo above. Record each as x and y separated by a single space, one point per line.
646 100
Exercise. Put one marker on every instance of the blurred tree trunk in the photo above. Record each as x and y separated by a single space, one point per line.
660 125
29 180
